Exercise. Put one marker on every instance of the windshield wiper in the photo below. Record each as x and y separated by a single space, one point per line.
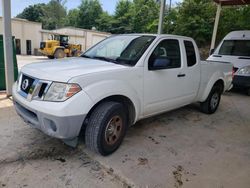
106 59
85 56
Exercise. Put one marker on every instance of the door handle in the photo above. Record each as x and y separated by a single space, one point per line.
181 75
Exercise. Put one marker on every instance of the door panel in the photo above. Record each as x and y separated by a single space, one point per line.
192 71
163 89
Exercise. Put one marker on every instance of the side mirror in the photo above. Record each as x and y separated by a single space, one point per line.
159 63
211 52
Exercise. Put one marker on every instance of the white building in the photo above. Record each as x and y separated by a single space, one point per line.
86 38
28 35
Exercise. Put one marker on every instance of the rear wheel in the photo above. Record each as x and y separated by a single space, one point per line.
59 54
213 100
76 53
106 128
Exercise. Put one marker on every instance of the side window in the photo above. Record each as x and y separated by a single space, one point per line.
166 55
190 51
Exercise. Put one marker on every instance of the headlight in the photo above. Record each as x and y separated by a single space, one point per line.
59 92
244 71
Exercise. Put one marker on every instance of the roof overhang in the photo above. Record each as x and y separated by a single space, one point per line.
232 2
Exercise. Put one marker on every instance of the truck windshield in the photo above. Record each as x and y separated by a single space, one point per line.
121 49
235 48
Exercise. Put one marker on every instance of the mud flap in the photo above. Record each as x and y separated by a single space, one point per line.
72 142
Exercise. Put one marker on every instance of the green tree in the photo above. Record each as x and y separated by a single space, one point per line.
33 12
122 22
195 19
52 15
72 18
233 18
89 12
170 21
55 14
145 12
104 23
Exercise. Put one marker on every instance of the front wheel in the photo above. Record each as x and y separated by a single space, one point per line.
59 54
212 102
106 128
50 56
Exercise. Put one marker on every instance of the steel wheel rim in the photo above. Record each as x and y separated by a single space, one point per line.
214 100
113 130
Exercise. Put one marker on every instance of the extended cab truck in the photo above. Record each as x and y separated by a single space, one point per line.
114 84
235 48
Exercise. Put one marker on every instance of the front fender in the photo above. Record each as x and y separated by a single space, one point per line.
106 88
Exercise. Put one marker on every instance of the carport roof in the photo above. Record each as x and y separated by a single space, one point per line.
232 2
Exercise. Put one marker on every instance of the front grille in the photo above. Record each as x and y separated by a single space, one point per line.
26 83
42 45
32 88
42 90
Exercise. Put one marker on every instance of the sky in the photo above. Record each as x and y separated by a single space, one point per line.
17 6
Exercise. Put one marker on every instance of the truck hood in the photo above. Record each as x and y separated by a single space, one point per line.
64 69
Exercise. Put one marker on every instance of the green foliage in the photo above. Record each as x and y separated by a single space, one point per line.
170 21
33 13
121 22
104 23
234 18
194 18
72 18
145 15
89 12
55 14
52 15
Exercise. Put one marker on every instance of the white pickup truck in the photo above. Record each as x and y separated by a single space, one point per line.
114 84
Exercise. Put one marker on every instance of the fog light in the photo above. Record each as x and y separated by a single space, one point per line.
50 124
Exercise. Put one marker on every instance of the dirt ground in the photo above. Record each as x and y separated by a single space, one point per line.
181 149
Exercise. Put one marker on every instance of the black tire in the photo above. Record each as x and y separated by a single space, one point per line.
210 105
76 53
59 54
100 127
248 91
50 56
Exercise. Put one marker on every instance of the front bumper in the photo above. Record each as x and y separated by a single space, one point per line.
54 119
241 81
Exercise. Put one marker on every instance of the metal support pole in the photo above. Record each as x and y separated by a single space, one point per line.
8 48
161 17
170 6
216 23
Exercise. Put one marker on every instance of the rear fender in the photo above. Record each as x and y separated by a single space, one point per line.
214 78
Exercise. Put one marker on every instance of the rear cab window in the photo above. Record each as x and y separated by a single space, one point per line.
235 48
190 53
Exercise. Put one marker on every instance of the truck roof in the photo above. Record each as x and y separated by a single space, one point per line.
240 35
159 35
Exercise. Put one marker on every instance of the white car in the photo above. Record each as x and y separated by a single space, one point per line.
114 84
235 48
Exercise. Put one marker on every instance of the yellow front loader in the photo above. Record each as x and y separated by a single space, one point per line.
59 47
